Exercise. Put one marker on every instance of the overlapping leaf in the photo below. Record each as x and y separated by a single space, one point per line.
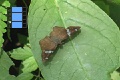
28 62
21 53
115 75
5 63
91 55
25 76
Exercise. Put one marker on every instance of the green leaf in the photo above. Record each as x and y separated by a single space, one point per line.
2 30
3 17
11 2
115 75
25 76
25 54
29 65
114 1
21 53
91 55
3 10
6 4
5 63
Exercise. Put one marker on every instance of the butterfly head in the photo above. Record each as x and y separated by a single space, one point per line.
72 29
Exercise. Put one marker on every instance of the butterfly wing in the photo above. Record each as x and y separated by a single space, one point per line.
60 33
47 45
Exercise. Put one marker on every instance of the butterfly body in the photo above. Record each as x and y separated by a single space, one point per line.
59 32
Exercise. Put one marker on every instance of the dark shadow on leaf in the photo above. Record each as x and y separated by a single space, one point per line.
13 70
1 52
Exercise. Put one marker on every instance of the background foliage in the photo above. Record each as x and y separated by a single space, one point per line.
21 61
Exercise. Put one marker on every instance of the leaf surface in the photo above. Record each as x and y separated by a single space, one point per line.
29 65
91 55
5 63
25 76
21 53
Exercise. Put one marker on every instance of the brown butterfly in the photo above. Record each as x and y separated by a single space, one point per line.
50 43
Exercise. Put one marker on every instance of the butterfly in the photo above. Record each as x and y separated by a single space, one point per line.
49 43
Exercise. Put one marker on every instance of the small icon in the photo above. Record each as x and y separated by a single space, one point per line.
17 17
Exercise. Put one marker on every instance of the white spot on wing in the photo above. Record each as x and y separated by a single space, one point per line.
48 51
68 32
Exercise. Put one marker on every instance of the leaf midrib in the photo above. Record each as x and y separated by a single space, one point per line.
62 18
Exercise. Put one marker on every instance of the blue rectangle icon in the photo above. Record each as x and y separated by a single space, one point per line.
16 9
16 24
16 16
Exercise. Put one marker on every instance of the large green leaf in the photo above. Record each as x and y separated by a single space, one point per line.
91 55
